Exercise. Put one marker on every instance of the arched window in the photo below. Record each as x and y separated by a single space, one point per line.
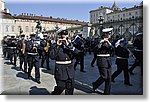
13 28
27 29
7 28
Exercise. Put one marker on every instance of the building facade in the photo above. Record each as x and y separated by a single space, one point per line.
126 21
14 24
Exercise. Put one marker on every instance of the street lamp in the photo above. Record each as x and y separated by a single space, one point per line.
100 21
133 24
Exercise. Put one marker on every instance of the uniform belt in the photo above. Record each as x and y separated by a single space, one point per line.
103 55
122 58
138 50
63 62
12 47
33 53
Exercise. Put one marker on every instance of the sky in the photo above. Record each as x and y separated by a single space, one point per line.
71 10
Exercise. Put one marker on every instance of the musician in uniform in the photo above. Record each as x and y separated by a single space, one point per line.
122 61
138 53
94 49
78 43
104 50
21 47
62 52
33 46
12 44
4 46
45 46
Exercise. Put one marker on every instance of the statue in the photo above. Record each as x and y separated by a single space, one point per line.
38 27
20 30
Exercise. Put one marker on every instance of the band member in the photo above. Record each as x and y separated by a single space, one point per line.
94 49
45 46
78 43
12 44
21 47
64 70
138 53
104 49
4 46
122 61
33 57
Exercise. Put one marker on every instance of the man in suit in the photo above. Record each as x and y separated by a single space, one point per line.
62 52
104 50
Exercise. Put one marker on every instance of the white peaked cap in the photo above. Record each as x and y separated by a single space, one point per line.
107 30
61 29
12 35
32 33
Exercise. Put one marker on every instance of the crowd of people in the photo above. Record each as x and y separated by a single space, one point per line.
31 50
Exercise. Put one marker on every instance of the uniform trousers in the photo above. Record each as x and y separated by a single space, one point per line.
105 76
67 85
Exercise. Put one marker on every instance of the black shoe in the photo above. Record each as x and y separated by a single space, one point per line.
131 72
128 84
82 71
25 71
38 81
112 80
48 69
94 88
92 65
29 77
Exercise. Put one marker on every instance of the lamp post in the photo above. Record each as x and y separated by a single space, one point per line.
133 24
100 21
121 26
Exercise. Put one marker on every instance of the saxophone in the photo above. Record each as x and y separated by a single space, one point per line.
23 48
47 47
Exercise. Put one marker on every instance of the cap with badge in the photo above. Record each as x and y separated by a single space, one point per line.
107 30
62 31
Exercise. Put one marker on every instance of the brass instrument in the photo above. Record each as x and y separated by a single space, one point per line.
47 47
23 47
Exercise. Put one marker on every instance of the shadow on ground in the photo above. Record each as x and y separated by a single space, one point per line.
34 90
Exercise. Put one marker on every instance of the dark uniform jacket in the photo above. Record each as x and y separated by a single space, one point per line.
104 61
43 44
121 52
20 46
30 49
62 71
12 44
